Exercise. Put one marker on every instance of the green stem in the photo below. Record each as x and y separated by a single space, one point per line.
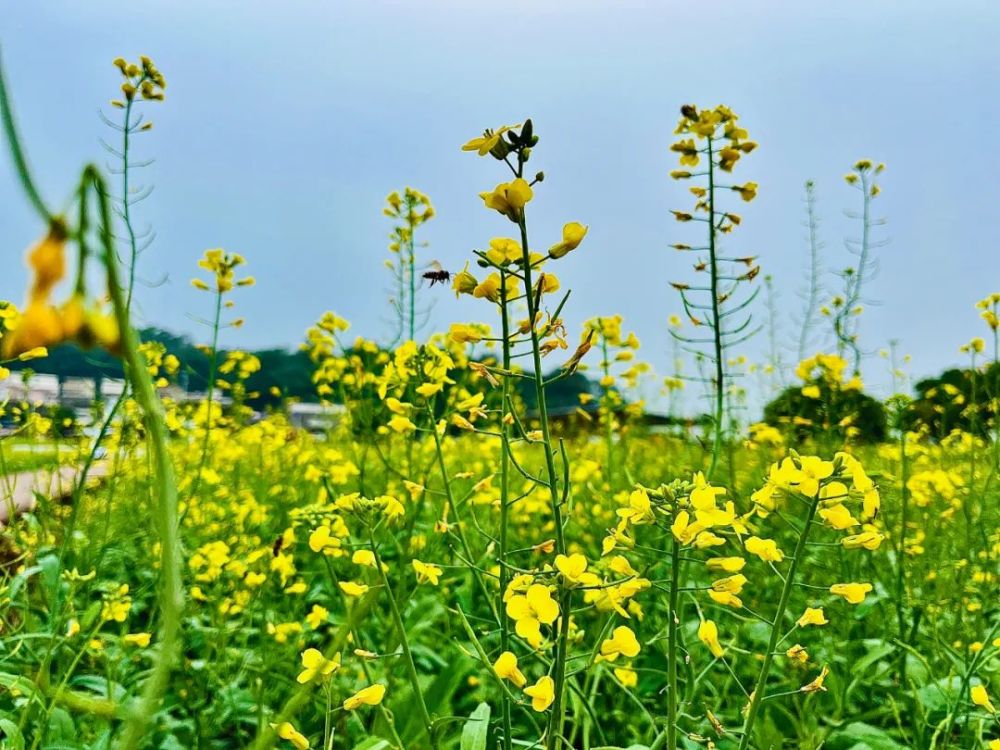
901 552
413 285
268 738
554 735
673 623
411 667
719 380
17 153
209 396
779 615
608 415
505 702
171 594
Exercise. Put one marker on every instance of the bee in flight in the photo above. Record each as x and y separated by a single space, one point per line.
437 275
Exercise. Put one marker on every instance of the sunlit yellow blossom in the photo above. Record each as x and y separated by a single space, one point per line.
506 669
286 731
622 643
853 593
812 616
542 693
369 696
708 633
316 665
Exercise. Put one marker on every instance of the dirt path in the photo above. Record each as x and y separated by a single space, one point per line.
18 492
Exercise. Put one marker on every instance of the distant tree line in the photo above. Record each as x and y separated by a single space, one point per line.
958 399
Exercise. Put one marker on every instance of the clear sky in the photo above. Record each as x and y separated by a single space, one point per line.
287 123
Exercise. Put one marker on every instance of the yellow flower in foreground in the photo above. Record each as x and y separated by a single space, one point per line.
426 572
530 610
813 471
401 425
622 643
571 567
506 669
838 516
798 653
364 557
353 589
626 676
509 197
542 693
485 143
870 540
315 663
982 699
816 684
708 633
369 696
138 639
317 616
286 731
854 593
573 234
726 564
766 549
812 616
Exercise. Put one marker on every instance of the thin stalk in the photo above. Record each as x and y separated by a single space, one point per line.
716 317
412 262
411 667
171 594
554 733
812 298
209 396
609 426
901 552
673 623
126 209
17 153
786 592
505 703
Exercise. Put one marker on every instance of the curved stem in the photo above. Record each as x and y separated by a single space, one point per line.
411 667
779 615
17 153
505 460
171 594
719 380
673 623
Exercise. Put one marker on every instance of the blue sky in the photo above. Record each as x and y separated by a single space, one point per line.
286 124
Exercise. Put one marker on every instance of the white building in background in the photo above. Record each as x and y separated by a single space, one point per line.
40 389
111 388
315 418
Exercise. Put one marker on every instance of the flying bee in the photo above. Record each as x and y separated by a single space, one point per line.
437 275
278 544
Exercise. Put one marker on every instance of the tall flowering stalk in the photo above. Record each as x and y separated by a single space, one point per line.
848 306
813 288
512 280
143 82
409 211
712 139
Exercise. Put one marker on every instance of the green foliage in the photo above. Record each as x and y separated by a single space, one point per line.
818 418
955 400
289 371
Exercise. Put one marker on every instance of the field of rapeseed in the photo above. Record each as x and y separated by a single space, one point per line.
455 563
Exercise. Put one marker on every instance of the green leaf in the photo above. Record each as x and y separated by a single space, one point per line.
860 736
938 696
879 650
476 732
12 739
373 743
